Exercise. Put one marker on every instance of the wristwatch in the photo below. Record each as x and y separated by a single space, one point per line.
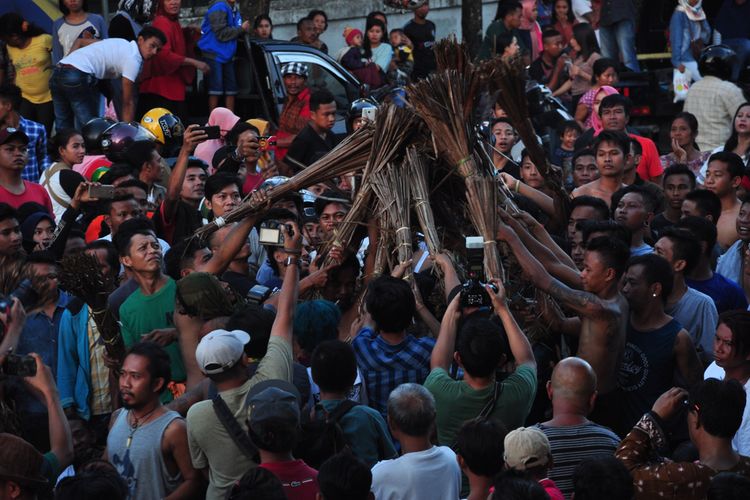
291 261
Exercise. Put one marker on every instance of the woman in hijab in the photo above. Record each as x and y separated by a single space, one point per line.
596 121
689 32
225 120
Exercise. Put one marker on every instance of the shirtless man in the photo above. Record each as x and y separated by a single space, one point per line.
603 312
724 175
612 152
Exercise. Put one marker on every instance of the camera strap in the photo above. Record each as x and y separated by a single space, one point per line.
238 435
492 401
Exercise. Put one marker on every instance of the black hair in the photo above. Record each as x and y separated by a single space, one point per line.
256 483
613 136
130 183
158 361
115 199
320 97
274 435
602 65
506 7
585 35
41 257
614 252
570 17
390 303
366 45
616 100
256 320
65 11
656 270
113 260
12 94
149 31
684 246
12 23
729 486
318 12
8 212
480 346
374 15
495 121
597 204
130 228
583 152
333 366
344 477
327 197
702 229
92 484
549 33
692 122
719 405
181 255
302 21
679 169
503 41
735 167
139 153
650 203
194 162
635 147
569 125
512 485
602 476
479 442
261 17
707 202
117 171
734 137
218 181
738 322
234 134
60 140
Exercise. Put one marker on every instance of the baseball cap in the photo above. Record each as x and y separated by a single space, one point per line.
14 133
526 448
273 400
20 461
294 68
220 350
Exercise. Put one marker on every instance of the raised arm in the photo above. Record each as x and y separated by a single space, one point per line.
13 322
519 344
546 203
282 325
442 353
450 277
190 140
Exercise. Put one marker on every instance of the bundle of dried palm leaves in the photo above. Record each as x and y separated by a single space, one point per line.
81 276
391 186
349 156
416 166
11 273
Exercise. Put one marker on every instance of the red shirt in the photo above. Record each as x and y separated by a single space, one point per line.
32 192
650 165
299 480
294 117
164 74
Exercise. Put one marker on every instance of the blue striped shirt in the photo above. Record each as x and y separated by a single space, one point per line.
385 366
38 160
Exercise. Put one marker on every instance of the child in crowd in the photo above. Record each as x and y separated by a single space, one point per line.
568 133
221 28
350 57
403 59
527 450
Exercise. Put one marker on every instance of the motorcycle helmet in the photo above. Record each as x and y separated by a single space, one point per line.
717 60
405 4
119 137
355 110
273 182
165 126
92 133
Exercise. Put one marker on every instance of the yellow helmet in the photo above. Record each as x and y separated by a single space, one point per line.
165 126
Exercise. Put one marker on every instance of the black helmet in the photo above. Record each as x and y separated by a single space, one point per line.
119 137
717 60
92 134
356 107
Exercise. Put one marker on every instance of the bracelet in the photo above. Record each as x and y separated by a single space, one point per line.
290 261
518 185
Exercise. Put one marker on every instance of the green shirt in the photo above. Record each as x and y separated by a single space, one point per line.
140 314
494 30
456 402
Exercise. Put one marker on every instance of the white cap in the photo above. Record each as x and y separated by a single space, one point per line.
220 350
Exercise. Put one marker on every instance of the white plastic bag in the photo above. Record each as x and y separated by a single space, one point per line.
681 84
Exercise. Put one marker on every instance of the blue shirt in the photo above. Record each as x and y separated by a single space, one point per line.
38 160
386 366
726 294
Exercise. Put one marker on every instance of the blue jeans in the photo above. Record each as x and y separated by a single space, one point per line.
75 97
221 78
617 39
742 47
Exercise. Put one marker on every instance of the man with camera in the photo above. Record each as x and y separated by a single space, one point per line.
479 351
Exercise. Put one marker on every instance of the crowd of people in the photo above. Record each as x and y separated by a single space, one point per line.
268 360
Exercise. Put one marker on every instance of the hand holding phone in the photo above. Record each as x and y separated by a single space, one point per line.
211 131
101 191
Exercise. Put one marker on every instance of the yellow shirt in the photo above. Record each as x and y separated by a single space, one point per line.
33 66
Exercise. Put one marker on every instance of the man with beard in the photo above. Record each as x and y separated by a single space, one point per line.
147 443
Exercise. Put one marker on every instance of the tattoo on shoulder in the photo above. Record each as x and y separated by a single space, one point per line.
573 297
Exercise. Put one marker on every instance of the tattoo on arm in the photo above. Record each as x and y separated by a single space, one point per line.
577 299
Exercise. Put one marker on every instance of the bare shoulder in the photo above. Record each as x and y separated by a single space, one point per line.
586 303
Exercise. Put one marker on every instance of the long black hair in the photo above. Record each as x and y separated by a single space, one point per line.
585 35
13 24
692 122
734 138
370 24
570 17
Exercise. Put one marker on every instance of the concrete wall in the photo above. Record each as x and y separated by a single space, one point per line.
446 14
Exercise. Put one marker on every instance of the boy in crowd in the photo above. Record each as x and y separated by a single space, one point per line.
38 160
550 67
14 155
316 139
679 180
723 177
612 152
634 209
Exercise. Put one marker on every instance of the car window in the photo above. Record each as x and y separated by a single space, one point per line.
322 76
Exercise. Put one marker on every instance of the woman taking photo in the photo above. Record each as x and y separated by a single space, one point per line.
604 74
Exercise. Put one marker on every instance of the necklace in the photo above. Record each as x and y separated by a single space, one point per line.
138 422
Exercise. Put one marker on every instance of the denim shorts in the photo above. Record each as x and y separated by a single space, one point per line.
221 78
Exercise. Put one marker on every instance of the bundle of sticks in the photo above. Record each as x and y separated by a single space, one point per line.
391 186
416 166
349 156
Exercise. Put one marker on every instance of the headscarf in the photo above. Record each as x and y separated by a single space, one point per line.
203 296
694 13
28 226
596 121
139 10
225 119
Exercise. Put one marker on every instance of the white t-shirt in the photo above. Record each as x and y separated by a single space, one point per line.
110 58
431 474
580 8
741 440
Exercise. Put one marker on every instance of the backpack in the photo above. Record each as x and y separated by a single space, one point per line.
321 439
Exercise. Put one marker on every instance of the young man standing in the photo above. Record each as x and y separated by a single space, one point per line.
38 160
147 443
723 177
612 151
296 111
14 189
634 211
679 180
549 67
584 167
10 232
316 139
730 263
75 78
421 32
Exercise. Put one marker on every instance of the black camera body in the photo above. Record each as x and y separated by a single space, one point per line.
473 292
271 233
19 366
24 293
259 294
